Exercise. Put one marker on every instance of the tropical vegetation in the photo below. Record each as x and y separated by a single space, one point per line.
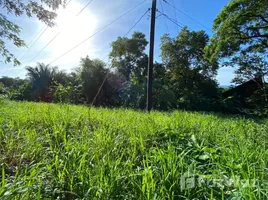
85 134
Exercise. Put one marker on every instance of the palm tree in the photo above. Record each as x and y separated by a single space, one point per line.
42 78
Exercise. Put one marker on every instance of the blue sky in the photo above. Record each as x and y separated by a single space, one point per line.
72 29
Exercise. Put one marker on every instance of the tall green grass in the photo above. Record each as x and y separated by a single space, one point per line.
68 152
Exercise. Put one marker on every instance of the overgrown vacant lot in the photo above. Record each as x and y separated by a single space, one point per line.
73 152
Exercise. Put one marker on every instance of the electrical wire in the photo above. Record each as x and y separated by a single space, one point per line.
172 20
68 3
42 33
84 7
173 6
137 22
175 14
162 8
43 48
97 32
58 32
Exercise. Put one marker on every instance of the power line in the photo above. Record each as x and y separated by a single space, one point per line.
137 22
173 6
170 19
84 7
162 8
175 14
106 76
68 3
42 33
141 10
44 47
58 32
97 32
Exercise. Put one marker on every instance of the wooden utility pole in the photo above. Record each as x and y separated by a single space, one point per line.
151 59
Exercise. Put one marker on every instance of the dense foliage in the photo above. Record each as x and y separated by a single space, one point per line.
184 80
64 151
190 75
241 37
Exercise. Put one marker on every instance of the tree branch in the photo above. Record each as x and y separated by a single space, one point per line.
254 36
263 18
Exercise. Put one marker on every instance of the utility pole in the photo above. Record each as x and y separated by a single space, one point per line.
151 59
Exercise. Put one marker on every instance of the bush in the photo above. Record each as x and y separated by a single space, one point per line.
17 97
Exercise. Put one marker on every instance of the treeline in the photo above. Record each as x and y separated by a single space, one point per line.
184 80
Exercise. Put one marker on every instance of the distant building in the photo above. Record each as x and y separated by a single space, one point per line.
246 89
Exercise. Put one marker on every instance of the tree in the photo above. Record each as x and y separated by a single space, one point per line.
42 80
241 35
9 31
61 77
93 74
11 83
163 96
14 88
132 95
189 74
250 66
128 56
130 60
186 52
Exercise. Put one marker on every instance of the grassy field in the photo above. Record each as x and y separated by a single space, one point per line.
68 152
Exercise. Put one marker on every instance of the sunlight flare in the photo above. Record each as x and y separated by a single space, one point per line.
73 29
